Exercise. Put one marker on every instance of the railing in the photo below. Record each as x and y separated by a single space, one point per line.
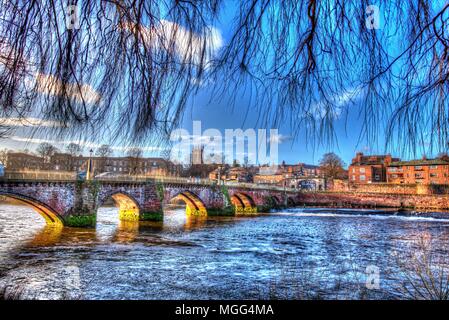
40 175
71 176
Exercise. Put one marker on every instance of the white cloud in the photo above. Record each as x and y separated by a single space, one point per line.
86 144
279 138
322 109
48 84
29 122
187 45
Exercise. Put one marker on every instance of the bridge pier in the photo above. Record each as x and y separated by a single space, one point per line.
75 203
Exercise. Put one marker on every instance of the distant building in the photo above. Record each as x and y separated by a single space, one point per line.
233 174
298 176
425 171
369 168
65 162
24 161
197 155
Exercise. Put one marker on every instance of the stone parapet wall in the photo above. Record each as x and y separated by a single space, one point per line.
373 200
390 188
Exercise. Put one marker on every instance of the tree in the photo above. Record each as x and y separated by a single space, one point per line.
4 156
302 60
46 151
74 149
443 156
104 151
134 155
332 167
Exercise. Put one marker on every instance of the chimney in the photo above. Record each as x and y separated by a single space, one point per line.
358 157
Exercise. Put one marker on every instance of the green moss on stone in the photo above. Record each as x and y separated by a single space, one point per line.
151 216
227 212
81 221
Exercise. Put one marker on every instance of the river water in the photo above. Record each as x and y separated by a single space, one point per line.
293 254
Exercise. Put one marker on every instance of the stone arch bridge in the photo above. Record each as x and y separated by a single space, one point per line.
75 203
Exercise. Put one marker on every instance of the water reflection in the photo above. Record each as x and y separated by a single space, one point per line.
48 236
292 254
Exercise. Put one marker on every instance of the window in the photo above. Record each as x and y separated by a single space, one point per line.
377 177
353 178
418 167
362 170
433 167
434 175
362 178
353 170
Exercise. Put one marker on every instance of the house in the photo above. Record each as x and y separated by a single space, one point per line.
369 168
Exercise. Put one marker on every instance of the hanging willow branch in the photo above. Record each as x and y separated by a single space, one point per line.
131 67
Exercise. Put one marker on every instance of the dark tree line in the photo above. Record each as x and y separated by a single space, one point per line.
130 68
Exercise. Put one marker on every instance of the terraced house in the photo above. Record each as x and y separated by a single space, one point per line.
424 171
369 168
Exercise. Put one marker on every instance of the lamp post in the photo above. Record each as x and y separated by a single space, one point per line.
89 174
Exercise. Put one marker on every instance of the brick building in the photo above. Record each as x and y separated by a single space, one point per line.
425 171
292 176
369 168
24 161
17 161
234 174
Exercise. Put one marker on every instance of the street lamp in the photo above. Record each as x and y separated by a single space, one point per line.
89 166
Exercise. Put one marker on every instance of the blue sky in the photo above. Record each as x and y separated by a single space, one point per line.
218 114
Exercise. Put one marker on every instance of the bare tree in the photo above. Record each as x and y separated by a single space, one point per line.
104 151
74 149
135 155
46 151
299 61
331 166
4 156
134 152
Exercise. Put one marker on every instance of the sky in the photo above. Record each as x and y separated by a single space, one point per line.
218 114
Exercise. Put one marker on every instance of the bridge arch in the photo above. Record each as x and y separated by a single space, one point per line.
243 203
194 205
129 209
50 215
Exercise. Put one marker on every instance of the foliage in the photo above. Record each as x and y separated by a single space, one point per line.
104 151
160 190
332 167
79 221
151 216
46 150
74 149
425 274
303 61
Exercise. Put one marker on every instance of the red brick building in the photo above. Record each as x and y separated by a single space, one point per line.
369 168
425 171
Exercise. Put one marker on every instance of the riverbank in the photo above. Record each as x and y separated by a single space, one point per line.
374 200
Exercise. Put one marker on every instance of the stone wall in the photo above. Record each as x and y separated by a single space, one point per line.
373 200
389 188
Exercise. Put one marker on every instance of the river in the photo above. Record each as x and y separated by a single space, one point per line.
292 254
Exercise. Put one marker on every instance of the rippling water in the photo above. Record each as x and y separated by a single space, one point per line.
294 254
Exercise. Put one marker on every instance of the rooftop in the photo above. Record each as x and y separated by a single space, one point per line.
422 162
